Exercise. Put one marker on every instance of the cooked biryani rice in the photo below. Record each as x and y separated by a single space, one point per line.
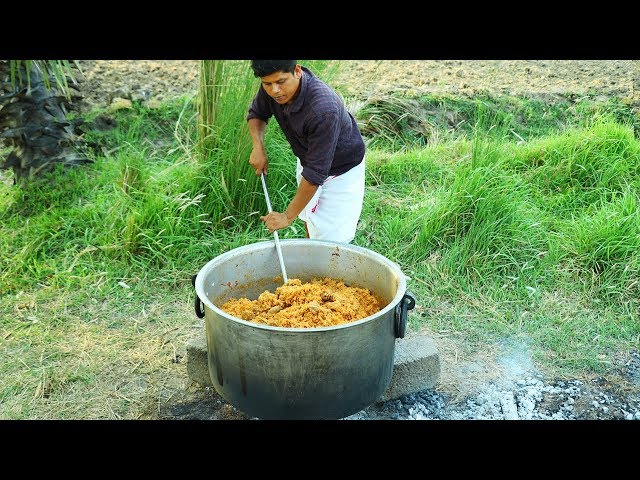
318 303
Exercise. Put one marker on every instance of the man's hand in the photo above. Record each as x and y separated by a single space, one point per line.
276 221
258 160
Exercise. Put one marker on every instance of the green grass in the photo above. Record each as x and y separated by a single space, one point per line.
532 236
395 122
501 238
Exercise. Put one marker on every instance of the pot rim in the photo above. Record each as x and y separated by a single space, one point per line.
402 282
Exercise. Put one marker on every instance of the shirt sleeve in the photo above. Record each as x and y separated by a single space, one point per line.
260 107
322 138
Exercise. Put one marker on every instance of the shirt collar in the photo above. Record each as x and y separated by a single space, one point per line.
296 105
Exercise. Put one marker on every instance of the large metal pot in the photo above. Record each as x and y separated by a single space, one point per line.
300 373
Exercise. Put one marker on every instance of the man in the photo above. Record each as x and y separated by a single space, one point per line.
328 146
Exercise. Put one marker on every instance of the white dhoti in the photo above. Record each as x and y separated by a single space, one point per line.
334 210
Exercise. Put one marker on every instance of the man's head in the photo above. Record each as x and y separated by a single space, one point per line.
280 78
262 68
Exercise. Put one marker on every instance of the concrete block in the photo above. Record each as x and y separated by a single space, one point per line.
197 361
416 365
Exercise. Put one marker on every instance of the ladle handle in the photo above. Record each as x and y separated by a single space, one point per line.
275 232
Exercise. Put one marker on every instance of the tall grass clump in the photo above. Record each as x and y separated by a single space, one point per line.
399 188
132 208
223 145
482 222
580 166
445 214
603 242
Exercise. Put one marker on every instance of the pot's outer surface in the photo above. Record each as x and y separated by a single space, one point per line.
299 373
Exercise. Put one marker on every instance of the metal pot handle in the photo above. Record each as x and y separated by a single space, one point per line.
199 306
407 303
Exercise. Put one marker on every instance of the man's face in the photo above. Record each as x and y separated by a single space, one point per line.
282 86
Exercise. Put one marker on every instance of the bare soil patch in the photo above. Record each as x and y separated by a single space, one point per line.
162 79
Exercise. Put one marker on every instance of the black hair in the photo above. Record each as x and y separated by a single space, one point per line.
262 68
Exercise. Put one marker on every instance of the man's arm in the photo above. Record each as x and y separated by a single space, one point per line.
277 220
258 158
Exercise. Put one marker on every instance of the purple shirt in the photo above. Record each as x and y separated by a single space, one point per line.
320 130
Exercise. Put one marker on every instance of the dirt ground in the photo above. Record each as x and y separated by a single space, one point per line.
153 81
156 80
